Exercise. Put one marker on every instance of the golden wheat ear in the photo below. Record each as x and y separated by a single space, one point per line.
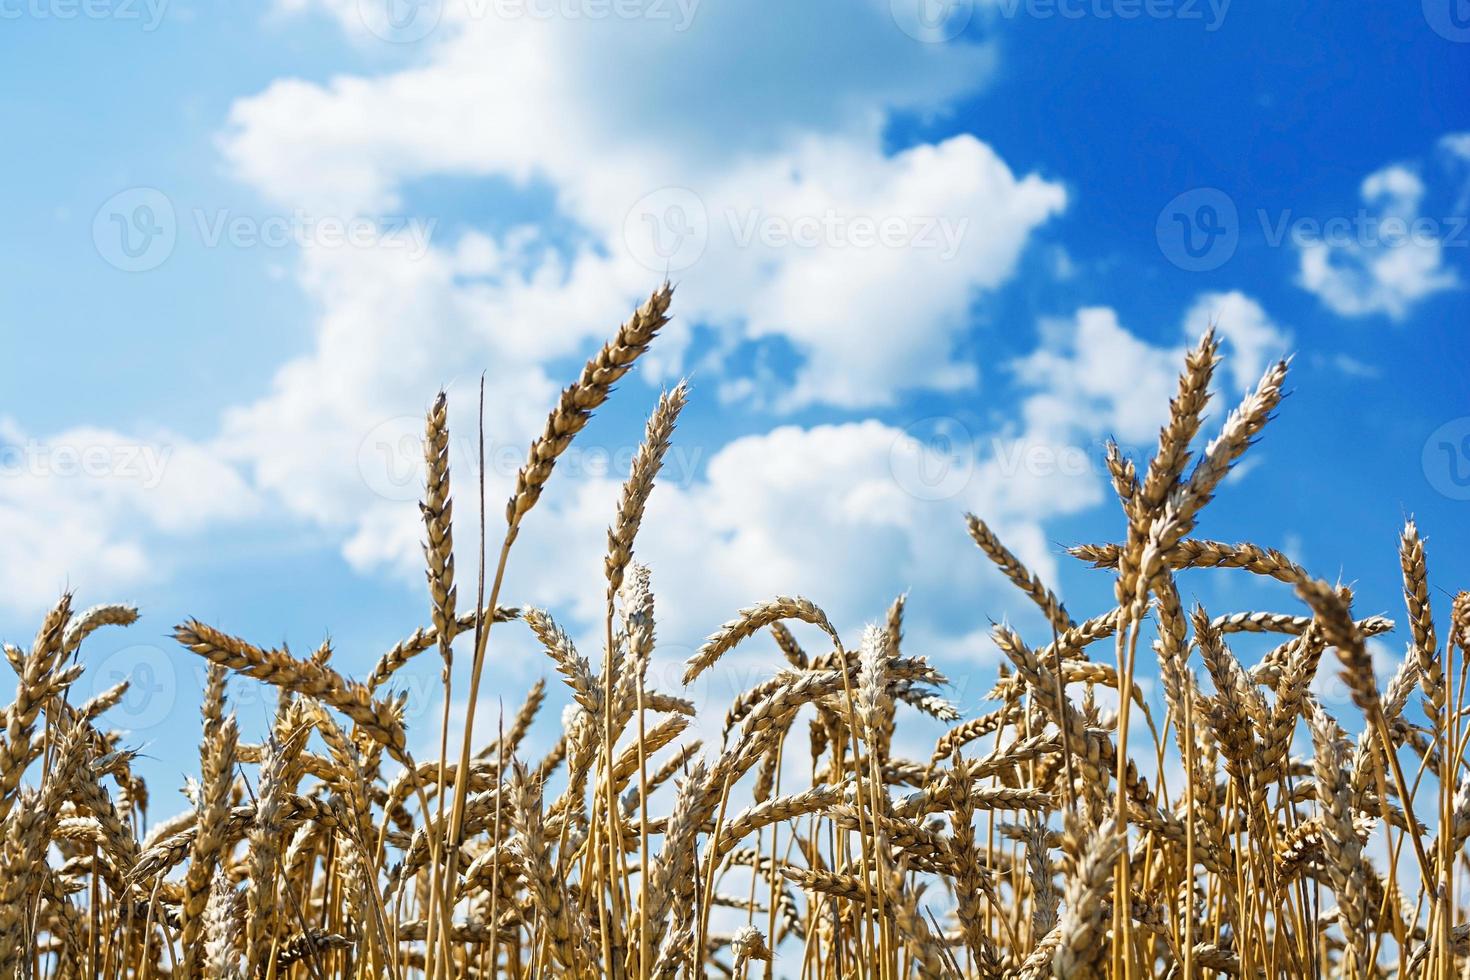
438 512
639 485
580 399
1022 577
1082 934
751 621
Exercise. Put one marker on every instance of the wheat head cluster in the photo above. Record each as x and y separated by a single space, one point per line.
1246 835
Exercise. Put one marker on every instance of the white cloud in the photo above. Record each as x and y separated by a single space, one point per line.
1091 379
87 507
1098 378
809 232
1456 144
869 319
1244 468
329 437
1454 149
591 104
1384 265
1350 366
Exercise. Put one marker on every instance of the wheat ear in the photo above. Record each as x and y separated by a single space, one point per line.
580 399
1025 579
1082 929
639 485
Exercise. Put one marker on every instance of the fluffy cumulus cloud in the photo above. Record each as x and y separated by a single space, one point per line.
1095 379
867 265
337 438
1391 256
1093 371
777 206
645 96
87 508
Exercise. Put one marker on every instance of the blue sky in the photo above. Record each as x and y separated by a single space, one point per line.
955 239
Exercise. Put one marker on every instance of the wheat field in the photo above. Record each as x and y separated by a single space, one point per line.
1035 839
